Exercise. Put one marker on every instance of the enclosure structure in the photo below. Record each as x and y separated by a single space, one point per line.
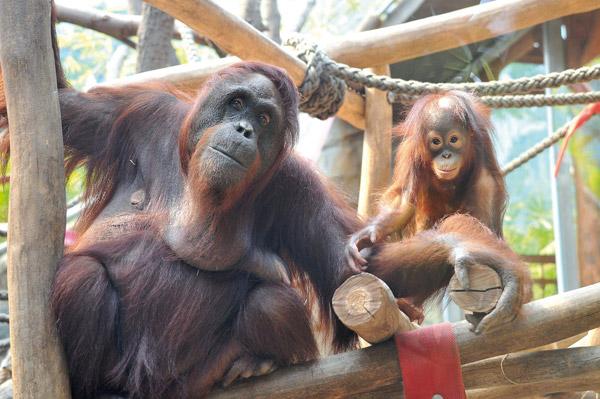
372 372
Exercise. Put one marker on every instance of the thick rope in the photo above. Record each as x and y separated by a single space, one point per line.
535 150
321 94
520 101
493 88
541 100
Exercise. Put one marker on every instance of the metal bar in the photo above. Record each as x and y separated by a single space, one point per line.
562 187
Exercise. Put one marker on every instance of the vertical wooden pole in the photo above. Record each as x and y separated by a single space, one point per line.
376 166
36 213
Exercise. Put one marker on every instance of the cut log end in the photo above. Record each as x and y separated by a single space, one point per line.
366 305
483 293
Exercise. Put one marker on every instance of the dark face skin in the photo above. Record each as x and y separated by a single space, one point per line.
448 142
238 127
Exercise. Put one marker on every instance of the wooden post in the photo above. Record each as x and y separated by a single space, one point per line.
37 197
376 166
374 372
239 38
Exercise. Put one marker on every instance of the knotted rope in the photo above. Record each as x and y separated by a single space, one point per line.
410 88
321 93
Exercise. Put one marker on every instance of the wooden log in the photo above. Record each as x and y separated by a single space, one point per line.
366 305
376 167
368 372
533 367
446 31
588 382
485 288
237 37
563 343
186 77
36 212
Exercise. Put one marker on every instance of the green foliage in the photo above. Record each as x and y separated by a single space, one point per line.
537 235
4 189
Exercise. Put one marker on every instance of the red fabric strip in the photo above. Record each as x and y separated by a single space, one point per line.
430 363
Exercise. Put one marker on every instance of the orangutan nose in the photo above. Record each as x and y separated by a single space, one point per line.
245 128
446 155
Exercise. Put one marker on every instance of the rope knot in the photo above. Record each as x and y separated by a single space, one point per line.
321 93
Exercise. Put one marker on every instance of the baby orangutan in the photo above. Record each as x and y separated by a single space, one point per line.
445 164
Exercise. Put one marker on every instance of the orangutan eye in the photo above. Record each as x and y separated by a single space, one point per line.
453 139
436 141
237 103
264 119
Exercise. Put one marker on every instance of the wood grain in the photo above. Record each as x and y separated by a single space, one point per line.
376 167
36 214
533 367
366 305
186 77
485 288
450 30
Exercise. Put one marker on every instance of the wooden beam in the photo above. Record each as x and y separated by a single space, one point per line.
186 77
376 166
534 367
36 212
375 369
239 38
445 31
587 382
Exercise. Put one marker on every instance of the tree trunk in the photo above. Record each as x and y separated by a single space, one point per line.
274 21
154 47
37 197
310 4
252 14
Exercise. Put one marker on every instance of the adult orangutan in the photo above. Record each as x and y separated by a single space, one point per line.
445 164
